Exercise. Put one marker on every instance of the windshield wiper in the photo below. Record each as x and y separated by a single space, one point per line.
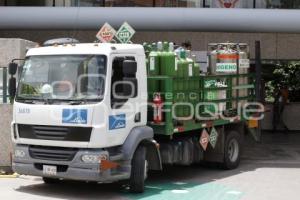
83 101
28 100
77 102
69 101
52 101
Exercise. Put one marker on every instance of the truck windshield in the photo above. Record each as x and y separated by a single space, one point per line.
63 77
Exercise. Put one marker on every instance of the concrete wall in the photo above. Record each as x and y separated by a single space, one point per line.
274 45
11 48
5 136
290 117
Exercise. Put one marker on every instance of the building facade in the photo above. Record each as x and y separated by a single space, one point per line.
275 46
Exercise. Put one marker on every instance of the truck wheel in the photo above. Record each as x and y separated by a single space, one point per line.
138 170
232 151
50 180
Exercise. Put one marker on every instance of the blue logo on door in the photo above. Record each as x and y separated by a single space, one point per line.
117 121
74 116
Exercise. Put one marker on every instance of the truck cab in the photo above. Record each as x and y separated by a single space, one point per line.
80 113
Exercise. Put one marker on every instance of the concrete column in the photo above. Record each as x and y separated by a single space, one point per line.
5 137
49 2
59 3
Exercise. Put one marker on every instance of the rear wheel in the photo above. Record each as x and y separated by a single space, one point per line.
138 170
232 151
50 180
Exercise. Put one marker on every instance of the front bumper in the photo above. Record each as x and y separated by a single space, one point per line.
75 169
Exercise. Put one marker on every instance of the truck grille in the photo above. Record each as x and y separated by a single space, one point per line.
52 153
80 134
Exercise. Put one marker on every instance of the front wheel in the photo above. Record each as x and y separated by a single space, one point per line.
138 170
232 150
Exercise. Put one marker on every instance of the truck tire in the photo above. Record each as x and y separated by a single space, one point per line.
232 150
51 180
138 170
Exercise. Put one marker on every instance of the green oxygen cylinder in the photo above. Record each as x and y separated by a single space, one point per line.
171 59
181 74
153 66
190 63
146 48
187 70
163 64
159 54
196 72
196 69
168 60
182 63
149 46
154 61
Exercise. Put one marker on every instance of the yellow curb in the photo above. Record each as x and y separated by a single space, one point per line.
15 175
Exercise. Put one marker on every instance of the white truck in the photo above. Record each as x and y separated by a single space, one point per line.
80 113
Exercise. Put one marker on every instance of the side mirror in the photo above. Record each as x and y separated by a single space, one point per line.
130 87
12 87
12 68
129 68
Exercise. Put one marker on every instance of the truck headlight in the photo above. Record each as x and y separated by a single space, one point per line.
19 153
90 158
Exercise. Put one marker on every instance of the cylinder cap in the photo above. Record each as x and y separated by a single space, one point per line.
160 46
182 53
171 46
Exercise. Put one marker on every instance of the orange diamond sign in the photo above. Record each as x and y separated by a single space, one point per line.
204 139
106 33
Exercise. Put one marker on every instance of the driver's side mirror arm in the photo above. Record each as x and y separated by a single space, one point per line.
12 83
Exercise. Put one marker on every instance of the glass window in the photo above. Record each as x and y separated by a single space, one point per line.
64 77
295 4
25 3
139 3
229 3
91 3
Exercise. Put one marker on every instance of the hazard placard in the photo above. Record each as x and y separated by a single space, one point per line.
213 138
244 63
226 67
125 33
106 33
204 139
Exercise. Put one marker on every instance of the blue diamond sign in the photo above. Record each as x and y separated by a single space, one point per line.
125 33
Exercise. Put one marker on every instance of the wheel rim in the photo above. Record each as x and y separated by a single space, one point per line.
233 150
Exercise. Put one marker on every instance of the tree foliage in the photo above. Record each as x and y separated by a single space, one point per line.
285 76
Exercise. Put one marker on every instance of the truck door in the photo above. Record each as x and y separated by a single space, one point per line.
124 114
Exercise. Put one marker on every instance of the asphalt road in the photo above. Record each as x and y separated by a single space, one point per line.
268 171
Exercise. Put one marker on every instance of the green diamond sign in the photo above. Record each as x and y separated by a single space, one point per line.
125 33
213 137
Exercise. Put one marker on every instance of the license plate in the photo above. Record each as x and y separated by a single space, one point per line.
49 170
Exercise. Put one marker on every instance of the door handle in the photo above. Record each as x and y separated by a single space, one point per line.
137 117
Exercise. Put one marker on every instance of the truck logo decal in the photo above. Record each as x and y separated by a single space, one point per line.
74 116
117 121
